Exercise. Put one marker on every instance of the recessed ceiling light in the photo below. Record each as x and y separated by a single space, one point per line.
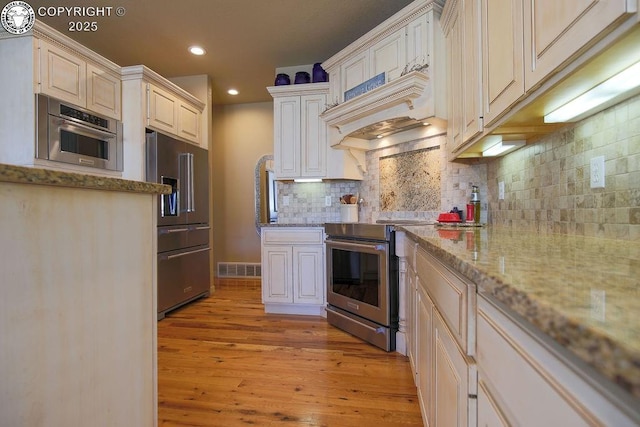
197 50
232 92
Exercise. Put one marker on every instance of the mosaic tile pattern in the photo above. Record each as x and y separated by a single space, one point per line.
411 181
307 201
547 186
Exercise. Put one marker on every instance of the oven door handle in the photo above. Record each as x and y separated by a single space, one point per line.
88 130
353 245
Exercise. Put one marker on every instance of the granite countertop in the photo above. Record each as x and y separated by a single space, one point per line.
38 176
277 224
582 292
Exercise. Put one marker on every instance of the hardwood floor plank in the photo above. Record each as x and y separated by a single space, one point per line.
223 362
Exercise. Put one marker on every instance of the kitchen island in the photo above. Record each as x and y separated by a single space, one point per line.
78 299
582 293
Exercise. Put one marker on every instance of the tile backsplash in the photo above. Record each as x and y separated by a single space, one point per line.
307 201
424 171
547 184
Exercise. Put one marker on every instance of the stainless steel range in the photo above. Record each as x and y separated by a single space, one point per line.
362 275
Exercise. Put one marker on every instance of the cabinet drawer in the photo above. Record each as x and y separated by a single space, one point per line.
454 298
302 235
543 380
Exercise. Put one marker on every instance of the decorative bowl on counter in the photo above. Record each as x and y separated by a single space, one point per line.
449 217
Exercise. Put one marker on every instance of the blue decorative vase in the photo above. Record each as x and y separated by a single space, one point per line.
302 77
319 74
282 80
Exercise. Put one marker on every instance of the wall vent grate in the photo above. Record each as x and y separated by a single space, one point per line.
239 269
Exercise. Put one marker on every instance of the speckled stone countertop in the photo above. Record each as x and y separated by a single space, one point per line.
582 292
277 224
38 176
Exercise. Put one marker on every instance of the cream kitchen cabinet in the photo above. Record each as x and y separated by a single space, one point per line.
388 55
404 39
556 31
544 380
525 48
300 136
461 23
440 327
300 145
73 78
477 363
151 101
169 113
525 42
293 270
502 56
424 352
446 343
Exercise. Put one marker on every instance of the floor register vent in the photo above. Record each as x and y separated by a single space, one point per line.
239 269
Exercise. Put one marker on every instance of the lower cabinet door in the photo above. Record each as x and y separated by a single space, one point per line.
308 273
489 413
452 372
276 271
424 352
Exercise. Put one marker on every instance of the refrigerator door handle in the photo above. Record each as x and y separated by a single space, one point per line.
192 195
186 172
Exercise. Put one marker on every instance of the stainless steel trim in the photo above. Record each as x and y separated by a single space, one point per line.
90 131
191 207
172 230
358 230
380 336
202 227
351 245
181 254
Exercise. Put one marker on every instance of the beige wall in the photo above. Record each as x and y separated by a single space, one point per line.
242 134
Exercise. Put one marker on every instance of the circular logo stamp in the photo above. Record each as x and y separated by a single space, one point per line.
17 17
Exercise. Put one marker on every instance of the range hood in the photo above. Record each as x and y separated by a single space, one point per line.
398 111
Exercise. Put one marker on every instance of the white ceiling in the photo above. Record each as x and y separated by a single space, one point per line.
245 39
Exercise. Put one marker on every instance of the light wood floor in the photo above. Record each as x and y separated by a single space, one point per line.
223 362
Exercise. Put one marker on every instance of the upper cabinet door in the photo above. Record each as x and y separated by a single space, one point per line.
354 71
503 71
555 31
389 55
313 136
287 136
104 92
189 120
419 41
470 63
63 75
162 110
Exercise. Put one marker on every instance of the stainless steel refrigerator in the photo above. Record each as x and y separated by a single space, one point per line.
183 219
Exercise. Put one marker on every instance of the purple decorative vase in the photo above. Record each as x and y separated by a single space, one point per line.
319 74
282 80
302 77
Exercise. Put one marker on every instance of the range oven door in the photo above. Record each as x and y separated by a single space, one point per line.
358 278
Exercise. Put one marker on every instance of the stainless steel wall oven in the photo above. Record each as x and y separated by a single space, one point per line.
69 134
362 275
